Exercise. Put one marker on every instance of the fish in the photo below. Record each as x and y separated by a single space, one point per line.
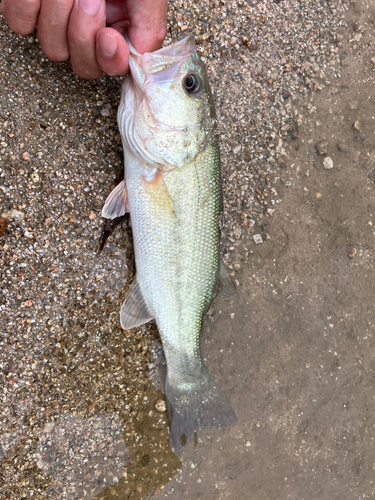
172 189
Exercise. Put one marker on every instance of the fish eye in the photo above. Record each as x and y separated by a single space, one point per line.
193 83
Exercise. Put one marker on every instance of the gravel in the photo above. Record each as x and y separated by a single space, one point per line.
328 163
62 350
321 147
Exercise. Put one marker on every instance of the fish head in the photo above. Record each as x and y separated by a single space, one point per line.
166 113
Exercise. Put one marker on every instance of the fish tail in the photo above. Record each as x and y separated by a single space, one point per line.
200 407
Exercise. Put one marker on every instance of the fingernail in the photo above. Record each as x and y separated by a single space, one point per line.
108 44
89 6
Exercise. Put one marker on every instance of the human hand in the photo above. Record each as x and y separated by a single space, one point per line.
90 32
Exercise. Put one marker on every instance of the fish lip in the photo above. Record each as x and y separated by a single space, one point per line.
178 49
158 64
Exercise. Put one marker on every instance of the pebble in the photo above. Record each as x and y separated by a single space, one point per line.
322 147
352 252
237 149
257 238
105 112
3 225
34 176
356 125
13 215
328 163
92 215
160 406
26 156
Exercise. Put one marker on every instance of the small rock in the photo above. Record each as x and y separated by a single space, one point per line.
160 405
105 112
3 225
342 146
27 303
318 195
352 252
233 40
322 147
356 125
26 156
257 239
13 215
288 67
34 176
246 41
328 163
237 149
92 215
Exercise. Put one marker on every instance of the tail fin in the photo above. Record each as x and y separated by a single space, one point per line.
201 407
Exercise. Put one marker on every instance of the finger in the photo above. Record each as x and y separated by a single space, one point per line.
148 24
112 52
52 28
21 15
87 17
147 21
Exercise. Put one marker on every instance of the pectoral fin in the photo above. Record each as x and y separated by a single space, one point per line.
158 192
134 311
117 203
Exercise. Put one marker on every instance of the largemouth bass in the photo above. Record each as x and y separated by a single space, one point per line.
172 188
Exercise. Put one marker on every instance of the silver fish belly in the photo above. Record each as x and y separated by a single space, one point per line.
172 188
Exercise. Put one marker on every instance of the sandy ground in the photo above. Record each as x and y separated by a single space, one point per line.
292 352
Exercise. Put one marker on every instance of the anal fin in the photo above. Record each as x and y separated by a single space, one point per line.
134 311
226 286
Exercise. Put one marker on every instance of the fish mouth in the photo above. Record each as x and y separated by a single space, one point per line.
159 60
